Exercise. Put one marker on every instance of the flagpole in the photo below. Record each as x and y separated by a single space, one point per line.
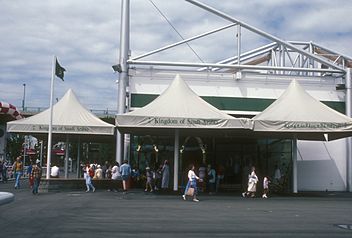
50 119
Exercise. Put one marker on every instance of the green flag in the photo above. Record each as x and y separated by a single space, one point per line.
59 71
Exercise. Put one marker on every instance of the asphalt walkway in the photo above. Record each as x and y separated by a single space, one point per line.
139 214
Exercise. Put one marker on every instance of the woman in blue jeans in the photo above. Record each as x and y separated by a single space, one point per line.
192 183
17 167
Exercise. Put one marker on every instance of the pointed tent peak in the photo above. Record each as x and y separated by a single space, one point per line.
178 81
178 86
179 100
68 96
296 104
69 101
297 94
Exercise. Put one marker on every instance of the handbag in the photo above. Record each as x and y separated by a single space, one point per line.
190 192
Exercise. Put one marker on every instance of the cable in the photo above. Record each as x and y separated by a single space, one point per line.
163 15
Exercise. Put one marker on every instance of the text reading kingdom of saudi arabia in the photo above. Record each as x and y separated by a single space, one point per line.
183 121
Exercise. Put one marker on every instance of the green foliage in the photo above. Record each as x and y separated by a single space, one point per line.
14 145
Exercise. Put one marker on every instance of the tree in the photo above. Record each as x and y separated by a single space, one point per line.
14 146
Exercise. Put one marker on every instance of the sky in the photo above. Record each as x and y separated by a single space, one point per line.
85 36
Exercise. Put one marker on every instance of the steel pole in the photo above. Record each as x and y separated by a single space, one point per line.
78 157
123 74
348 108
24 97
294 166
176 158
66 155
48 161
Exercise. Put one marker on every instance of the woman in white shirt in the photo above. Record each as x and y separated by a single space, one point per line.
252 184
192 183
115 176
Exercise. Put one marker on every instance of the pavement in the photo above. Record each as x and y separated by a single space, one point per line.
140 214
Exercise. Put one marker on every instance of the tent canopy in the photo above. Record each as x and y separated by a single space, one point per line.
296 114
178 107
69 117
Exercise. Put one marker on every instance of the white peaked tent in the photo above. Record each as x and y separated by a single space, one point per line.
296 114
178 109
69 117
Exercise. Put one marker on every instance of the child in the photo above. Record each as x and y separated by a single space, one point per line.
266 182
149 183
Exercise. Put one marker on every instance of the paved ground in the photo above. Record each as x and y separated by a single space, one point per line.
108 214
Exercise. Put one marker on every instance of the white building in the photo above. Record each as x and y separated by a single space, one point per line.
245 85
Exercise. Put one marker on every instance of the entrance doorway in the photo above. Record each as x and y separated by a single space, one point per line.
238 155
231 155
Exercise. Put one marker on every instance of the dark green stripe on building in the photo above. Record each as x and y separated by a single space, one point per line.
230 103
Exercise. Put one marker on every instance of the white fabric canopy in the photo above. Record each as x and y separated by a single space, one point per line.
69 117
179 107
296 114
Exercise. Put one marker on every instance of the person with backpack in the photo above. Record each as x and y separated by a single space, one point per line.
88 175
17 168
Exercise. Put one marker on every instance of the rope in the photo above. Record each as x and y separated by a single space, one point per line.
174 28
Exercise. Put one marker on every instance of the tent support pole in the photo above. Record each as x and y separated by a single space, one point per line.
78 156
176 158
348 102
66 155
294 166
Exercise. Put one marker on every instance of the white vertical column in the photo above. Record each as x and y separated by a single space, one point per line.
48 161
78 156
123 73
294 166
238 44
67 148
348 109
176 158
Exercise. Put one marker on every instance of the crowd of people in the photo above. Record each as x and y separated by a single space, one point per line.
207 180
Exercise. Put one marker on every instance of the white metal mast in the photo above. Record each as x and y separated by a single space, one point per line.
122 69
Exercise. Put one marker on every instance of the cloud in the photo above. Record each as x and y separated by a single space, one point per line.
84 34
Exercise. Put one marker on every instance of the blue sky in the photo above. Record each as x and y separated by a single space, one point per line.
84 34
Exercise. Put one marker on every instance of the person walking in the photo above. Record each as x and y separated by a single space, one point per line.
125 171
266 182
202 171
149 182
17 168
115 176
36 174
29 174
191 184
88 175
4 171
166 175
252 184
211 179
98 173
1 170
220 176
